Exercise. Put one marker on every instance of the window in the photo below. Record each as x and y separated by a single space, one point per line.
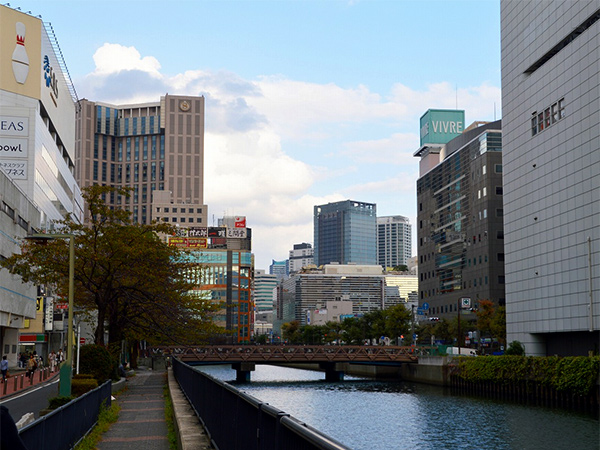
484 169
499 212
484 191
485 213
500 234
500 279
166 209
547 117
534 124
499 190
498 168
500 257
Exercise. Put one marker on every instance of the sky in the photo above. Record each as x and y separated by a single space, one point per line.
306 102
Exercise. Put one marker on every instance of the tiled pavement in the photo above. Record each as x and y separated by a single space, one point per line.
141 423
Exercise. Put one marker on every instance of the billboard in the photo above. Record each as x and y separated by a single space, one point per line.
440 126
20 53
212 232
14 144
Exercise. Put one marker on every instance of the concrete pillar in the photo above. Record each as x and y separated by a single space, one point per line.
333 371
243 370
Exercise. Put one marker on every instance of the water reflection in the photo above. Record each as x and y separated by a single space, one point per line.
379 415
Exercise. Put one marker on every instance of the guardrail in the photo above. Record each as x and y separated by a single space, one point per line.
64 427
234 420
297 353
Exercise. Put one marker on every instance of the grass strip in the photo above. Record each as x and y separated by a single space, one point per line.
169 419
106 418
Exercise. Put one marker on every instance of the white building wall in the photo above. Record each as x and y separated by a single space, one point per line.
552 178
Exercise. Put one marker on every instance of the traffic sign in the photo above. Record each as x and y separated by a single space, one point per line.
465 302
425 305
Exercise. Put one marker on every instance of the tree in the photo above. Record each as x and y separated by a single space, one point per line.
397 321
515 348
126 277
291 332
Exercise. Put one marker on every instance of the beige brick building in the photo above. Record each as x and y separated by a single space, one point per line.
157 149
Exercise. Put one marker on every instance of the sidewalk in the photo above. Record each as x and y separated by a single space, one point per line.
18 382
141 422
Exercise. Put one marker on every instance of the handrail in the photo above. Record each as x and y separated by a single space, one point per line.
258 425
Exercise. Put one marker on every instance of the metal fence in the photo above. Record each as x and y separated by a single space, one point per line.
64 427
235 420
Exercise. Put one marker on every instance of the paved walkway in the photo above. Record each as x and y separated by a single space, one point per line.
141 422
18 382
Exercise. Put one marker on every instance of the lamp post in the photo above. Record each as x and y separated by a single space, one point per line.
66 371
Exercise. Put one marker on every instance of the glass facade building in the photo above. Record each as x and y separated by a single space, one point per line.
345 232
226 276
460 223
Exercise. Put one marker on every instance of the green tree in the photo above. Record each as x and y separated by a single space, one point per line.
290 332
397 321
126 277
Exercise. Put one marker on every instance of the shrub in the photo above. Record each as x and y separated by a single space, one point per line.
83 376
96 360
57 402
515 348
82 385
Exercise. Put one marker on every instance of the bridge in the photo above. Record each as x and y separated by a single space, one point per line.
330 358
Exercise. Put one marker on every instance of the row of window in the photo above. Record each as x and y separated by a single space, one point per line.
549 116
183 219
182 210
481 281
10 212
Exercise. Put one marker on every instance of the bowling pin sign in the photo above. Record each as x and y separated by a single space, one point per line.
20 60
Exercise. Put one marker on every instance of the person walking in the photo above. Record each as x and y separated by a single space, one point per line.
31 366
4 368
52 359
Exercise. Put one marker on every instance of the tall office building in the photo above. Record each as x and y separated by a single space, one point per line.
345 232
157 149
394 241
280 269
301 256
551 134
264 290
460 234
37 153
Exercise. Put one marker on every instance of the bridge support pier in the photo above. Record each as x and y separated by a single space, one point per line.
333 371
243 370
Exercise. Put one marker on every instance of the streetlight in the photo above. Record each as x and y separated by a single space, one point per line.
66 371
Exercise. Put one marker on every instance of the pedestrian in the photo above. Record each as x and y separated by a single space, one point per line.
24 360
4 368
60 356
31 365
52 359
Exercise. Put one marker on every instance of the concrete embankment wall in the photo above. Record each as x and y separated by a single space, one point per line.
430 370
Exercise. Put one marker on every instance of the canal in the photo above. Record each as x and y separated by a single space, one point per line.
367 414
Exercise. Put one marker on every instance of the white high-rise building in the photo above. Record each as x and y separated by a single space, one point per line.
394 241
551 174
264 290
301 256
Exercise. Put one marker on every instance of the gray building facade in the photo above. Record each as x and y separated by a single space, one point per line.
551 129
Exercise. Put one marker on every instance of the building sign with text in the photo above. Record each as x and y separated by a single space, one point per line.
440 126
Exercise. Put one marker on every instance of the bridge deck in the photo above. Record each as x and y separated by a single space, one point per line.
296 353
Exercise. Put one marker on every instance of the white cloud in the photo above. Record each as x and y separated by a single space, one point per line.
275 147
114 58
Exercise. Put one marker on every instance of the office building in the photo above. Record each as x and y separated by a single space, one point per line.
459 218
37 154
551 164
394 241
264 287
345 232
301 256
280 269
225 271
156 149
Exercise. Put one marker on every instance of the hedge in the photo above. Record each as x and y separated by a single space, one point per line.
574 374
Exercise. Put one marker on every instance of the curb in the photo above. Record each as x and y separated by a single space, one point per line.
190 432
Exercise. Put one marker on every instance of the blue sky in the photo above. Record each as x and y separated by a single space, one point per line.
307 102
